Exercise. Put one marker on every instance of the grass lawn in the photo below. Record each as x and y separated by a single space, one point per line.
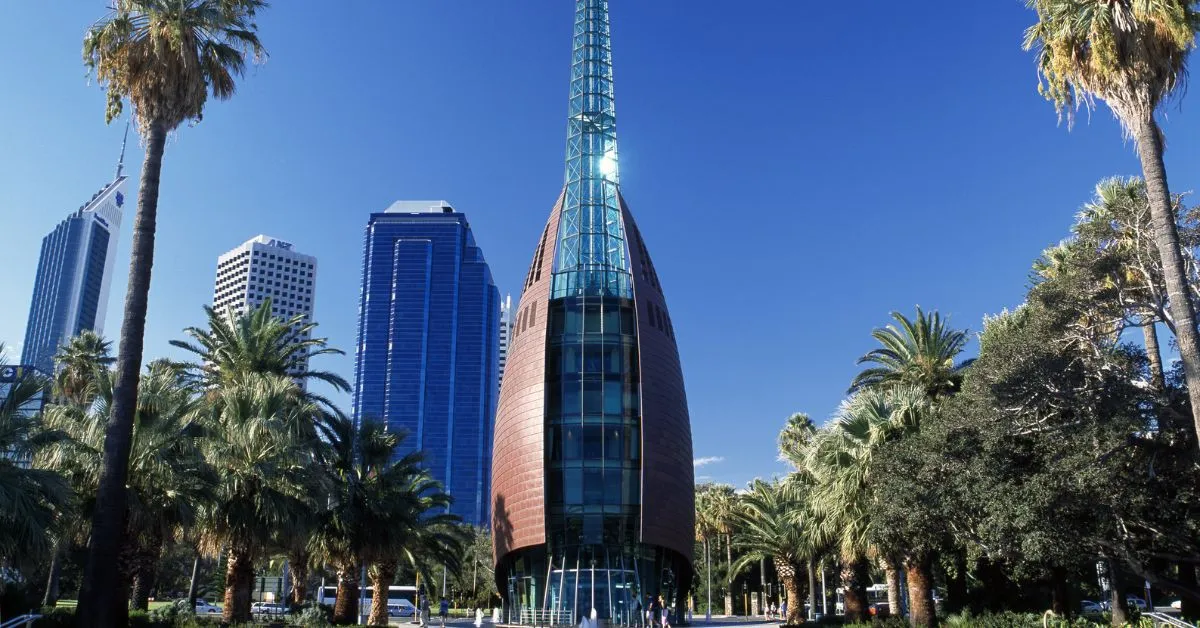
74 603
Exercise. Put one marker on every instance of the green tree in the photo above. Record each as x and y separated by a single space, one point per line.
166 58
30 498
918 352
1132 55
262 442
79 362
839 461
168 477
774 522
235 344
384 509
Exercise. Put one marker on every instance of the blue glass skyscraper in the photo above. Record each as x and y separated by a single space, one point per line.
427 359
75 267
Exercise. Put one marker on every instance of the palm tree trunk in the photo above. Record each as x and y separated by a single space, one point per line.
1166 235
728 576
382 575
921 611
191 594
298 566
108 520
855 573
51 596
239 582
892 574
788 574
345 609
145 560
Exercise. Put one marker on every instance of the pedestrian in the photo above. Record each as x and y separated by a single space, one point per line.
783 610
444 610
424 611
651 611
666 613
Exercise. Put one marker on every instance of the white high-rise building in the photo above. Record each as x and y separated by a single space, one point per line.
264 267
505 333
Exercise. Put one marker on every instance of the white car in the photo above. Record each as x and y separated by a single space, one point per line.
1177 605
266 608
1088 606
205 608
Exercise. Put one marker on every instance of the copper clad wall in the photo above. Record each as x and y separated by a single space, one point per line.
518 450
668 483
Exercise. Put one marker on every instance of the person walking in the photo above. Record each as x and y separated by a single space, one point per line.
424 611
444 610
666 613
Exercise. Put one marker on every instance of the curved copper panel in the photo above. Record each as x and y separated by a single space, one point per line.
518 449
668 483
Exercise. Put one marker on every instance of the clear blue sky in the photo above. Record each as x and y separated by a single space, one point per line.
798 169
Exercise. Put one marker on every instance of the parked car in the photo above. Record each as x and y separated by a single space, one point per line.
204 607
1136 602
1088 606
402 610
266 608
1177 605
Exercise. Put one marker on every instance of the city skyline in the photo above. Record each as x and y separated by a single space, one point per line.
871 185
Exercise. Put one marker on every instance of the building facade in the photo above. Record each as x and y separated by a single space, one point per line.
593 489
264 268
74 273
505 335
427 358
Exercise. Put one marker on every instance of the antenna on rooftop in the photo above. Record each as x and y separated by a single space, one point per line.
121 161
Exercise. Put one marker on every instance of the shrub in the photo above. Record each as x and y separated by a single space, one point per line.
55 617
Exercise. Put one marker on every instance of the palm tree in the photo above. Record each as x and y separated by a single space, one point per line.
774 523
1133 56
795 438
257 441
919 352
30 498
707 528
166 58
235 344
168 477
78 362
723 502
839 462
384 509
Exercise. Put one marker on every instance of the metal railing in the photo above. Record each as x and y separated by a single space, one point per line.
26 620
1161 619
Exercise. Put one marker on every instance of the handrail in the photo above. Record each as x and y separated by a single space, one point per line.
26 619
1157 617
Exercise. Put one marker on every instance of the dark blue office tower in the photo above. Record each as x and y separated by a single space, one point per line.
428 345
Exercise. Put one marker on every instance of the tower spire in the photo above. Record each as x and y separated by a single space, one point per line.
592 257
121 159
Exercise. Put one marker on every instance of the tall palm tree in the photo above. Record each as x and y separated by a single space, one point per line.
707 529
1132 54
723 502
262 443
775 523
78 362
795 438
839 462
166 58
168 476
918 352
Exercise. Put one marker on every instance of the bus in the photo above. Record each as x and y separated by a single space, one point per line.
400 598
877 600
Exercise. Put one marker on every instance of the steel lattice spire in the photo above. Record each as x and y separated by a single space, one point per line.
592 256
